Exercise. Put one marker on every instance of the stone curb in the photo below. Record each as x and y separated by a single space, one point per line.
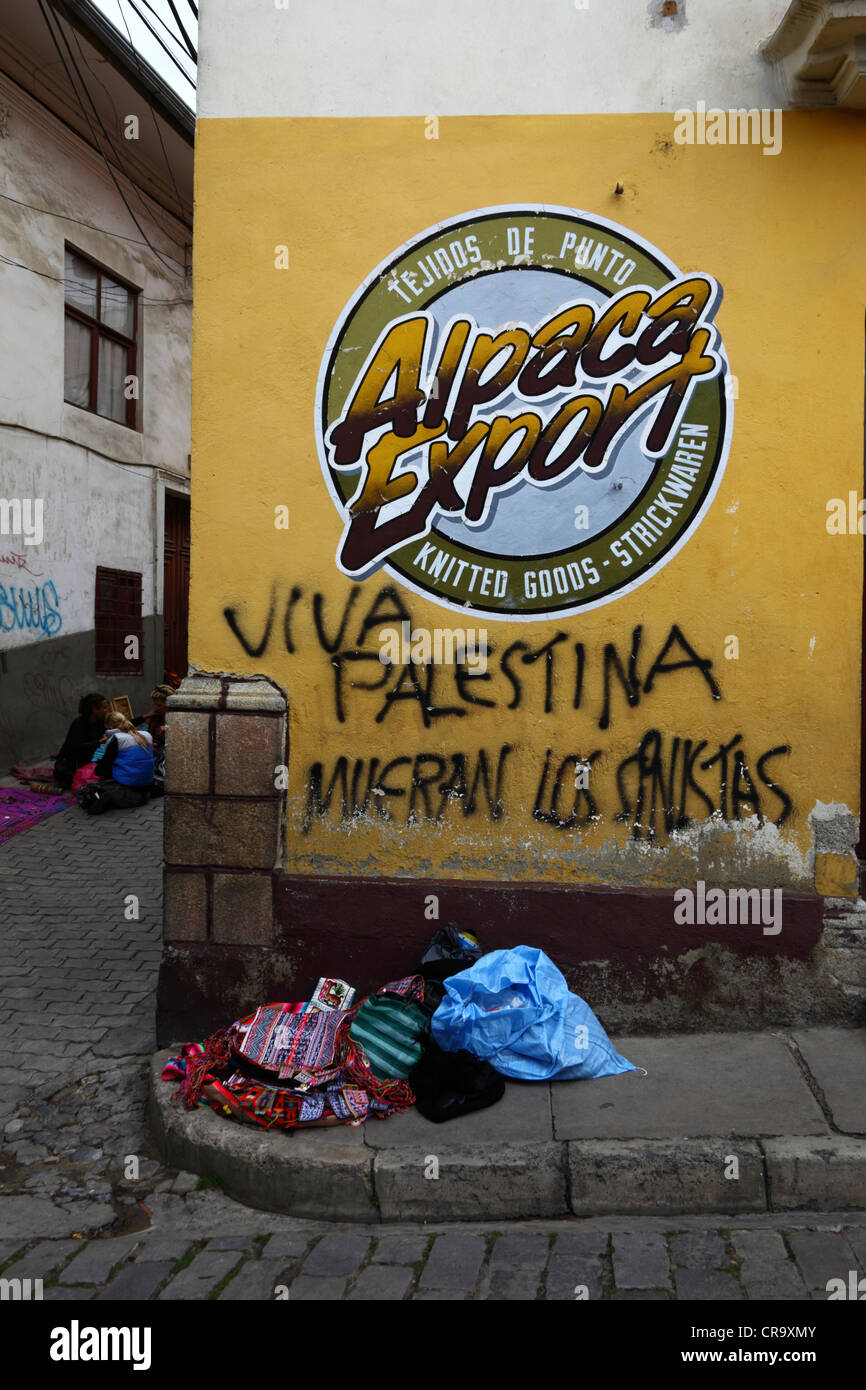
266 1170
812 1174
333 1175
657 1177
503 1182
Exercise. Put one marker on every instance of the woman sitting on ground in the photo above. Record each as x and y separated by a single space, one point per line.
155 717
128 756
85 734
154 722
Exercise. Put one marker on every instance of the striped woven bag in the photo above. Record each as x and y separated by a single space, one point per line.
393 1032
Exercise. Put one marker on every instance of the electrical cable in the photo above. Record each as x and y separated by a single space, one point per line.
119 463
159 19
185 35
84 112
158 254
143 19
149 211
62 280
194 8
67 217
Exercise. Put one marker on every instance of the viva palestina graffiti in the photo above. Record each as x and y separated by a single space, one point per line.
523 413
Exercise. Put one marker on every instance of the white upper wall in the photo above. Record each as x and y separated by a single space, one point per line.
98 483
72 197
481 57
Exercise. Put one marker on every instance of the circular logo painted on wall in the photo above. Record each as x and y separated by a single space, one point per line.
523 413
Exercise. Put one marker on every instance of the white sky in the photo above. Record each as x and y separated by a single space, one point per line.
122 14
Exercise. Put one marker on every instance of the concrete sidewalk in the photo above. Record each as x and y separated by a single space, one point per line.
78 1007
724 1122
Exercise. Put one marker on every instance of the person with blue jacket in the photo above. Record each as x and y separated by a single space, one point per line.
128 756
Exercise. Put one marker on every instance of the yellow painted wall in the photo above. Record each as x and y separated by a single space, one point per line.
783 236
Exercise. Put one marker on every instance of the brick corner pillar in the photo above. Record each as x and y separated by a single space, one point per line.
225 805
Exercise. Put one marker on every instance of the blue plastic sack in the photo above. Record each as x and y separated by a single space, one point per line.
514 1010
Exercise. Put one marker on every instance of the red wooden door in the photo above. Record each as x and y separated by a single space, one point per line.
176 590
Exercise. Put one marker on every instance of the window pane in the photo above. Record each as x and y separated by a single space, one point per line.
76 386
116 306
112 370
80 284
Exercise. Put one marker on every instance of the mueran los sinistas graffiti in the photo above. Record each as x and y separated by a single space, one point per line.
665 783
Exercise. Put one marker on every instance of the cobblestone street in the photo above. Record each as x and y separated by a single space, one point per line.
523 1264
87 1207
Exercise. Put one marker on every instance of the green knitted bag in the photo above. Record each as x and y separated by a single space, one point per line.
393 1032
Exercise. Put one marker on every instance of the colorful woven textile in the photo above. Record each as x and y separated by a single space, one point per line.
264 1033
317 1070
287 1106
176 1067
290 1043
42 772
38 779
412 986
20 809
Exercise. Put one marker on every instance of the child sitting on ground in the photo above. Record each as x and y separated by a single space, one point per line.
128 756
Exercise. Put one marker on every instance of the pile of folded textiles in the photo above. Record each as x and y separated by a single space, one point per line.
443 1039
289 1065
38 779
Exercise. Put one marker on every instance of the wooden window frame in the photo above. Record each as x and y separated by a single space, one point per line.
99 329
118 625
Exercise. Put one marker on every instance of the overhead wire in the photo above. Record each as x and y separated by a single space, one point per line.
186 37
79 221
158 17
144 20
115 150
62 280
108 166
155 121
147 209
96 142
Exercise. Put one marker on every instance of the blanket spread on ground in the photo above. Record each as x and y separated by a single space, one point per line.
20 809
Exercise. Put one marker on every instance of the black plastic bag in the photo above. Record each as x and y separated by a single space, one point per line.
450 1084
450 951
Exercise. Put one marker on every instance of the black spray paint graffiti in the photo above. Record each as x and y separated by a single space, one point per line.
436 690
658 788
663 790
428 793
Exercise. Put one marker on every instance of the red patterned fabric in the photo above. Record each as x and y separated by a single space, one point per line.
318 1071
